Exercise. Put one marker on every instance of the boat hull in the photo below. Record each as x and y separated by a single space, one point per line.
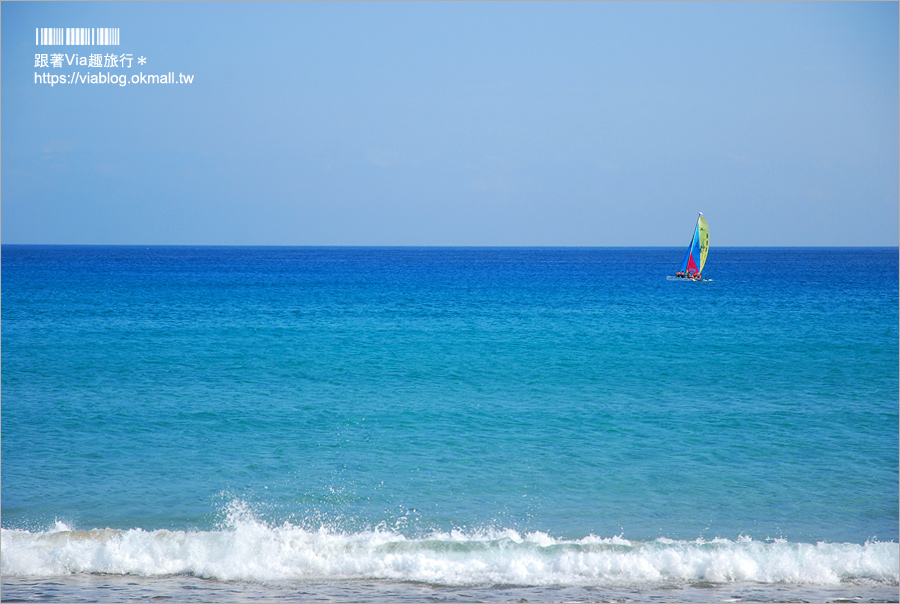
685 279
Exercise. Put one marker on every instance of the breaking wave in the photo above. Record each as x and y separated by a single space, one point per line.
247 549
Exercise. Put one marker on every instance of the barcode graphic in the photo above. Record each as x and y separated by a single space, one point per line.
76 36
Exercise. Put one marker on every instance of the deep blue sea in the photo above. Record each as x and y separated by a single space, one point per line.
448 424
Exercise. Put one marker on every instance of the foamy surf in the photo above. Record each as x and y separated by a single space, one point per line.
249 550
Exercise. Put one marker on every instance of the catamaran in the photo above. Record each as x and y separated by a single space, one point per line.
695 258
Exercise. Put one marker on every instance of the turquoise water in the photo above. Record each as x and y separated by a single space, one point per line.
301 420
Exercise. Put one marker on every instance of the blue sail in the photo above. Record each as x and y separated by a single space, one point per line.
689 265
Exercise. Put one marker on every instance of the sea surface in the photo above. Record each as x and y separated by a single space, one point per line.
448 424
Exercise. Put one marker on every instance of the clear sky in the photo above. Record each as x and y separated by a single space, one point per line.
433 123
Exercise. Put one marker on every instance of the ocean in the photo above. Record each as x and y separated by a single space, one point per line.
448 424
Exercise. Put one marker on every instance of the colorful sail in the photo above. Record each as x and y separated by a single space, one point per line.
703 239
695 257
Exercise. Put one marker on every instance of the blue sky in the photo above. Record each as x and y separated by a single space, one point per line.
570 124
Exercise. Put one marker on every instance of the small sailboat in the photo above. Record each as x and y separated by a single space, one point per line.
693 262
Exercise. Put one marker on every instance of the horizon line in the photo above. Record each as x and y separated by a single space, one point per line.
427 246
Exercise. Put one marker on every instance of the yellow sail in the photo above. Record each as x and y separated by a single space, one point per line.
703 229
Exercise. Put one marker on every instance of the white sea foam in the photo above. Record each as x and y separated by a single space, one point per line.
249 550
